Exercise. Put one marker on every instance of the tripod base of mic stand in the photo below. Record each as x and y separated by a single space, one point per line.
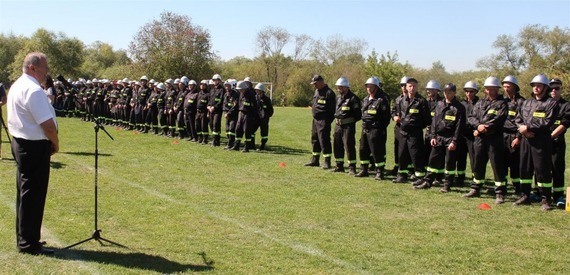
96 236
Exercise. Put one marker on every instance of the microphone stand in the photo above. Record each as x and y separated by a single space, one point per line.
97 232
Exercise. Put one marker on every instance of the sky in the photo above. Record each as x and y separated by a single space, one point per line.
456 33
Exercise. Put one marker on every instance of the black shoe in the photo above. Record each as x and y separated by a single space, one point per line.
418 182
338 169
499 199
424 185
523 200
545 205
473 193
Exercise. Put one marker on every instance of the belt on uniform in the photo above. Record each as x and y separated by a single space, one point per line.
343 121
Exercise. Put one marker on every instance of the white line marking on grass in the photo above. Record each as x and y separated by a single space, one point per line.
303 248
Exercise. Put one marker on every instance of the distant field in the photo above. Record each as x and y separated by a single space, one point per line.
181 207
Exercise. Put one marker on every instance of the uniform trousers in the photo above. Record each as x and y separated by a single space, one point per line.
344 140
321 137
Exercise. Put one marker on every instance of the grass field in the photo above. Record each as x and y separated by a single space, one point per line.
181 207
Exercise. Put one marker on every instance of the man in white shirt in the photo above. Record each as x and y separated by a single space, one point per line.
32 124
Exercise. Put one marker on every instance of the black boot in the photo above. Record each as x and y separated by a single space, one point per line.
460 180
352 169
327 164
517 186
473 193
146 128
182 134
363 171
262 146
246 147
314 161
231 141
164 131
205 140
401 178
339 167
236 145
379 173
155 129
500 193
546 198
447 183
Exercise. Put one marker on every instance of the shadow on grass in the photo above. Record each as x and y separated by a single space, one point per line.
87 154
140 261
284 150
56 165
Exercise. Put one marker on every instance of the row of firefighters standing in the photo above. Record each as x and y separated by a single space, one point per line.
523 137
182 108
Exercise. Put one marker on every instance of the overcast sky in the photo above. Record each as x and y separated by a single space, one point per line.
457 33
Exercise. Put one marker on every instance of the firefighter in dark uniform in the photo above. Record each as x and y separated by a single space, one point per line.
114 102
215 108
140 107
488 118
89 98
152 107
413 117
190 103
231 112
445 131
375 119
323 109
394 112
171 97
179 106
511 136
133 104
161 106
265 112
433 88
561 123
465 145
248 116
126 94
202 113
535 120
348 112
99 103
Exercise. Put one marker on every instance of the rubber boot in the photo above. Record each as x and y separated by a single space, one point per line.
546 198
327 164
205 140
155 129
447 183
182 134
363 171
517 186
314 161
500 193
146 128
262 146
216 141
236 145
379 173
474 192
231 142
164 131
246 147
339 167
352 169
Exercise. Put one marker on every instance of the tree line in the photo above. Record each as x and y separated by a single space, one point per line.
173 45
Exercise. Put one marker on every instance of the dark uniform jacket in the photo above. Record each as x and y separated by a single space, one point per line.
170 99
231 103
492 113
348 108
513 105
375 111
468 131
563 118
191 101
265 107
217 98
448 122
203 99
538 115
179 104
324 104
248 103
414 114
143 95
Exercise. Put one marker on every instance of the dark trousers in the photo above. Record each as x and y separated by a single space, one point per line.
344 140
264 129
152 117
411 150
32 177
202 123
441 161
216 123
246 125
321 137
189 119
512 158
536 160
397 138
489 148
558 166
180 123
373 142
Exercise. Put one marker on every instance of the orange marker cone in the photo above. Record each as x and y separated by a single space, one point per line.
484 206
282 164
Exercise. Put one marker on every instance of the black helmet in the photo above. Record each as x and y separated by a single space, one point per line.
450 86
555 81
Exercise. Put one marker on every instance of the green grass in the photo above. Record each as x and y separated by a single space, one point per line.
182 208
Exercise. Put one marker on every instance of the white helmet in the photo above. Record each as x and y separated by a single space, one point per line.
161 86
144 78
247 78
152 81
374 81
492 81
169 82
404 80
192 82
511 79
241 85
260 86
217 76
433 84
471 85
343 82
95 80
542 79
176 81
89 82
205 82
126 80
185 80
210 82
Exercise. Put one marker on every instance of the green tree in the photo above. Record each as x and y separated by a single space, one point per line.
9 47
388 69
172 47
99 57
65 55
